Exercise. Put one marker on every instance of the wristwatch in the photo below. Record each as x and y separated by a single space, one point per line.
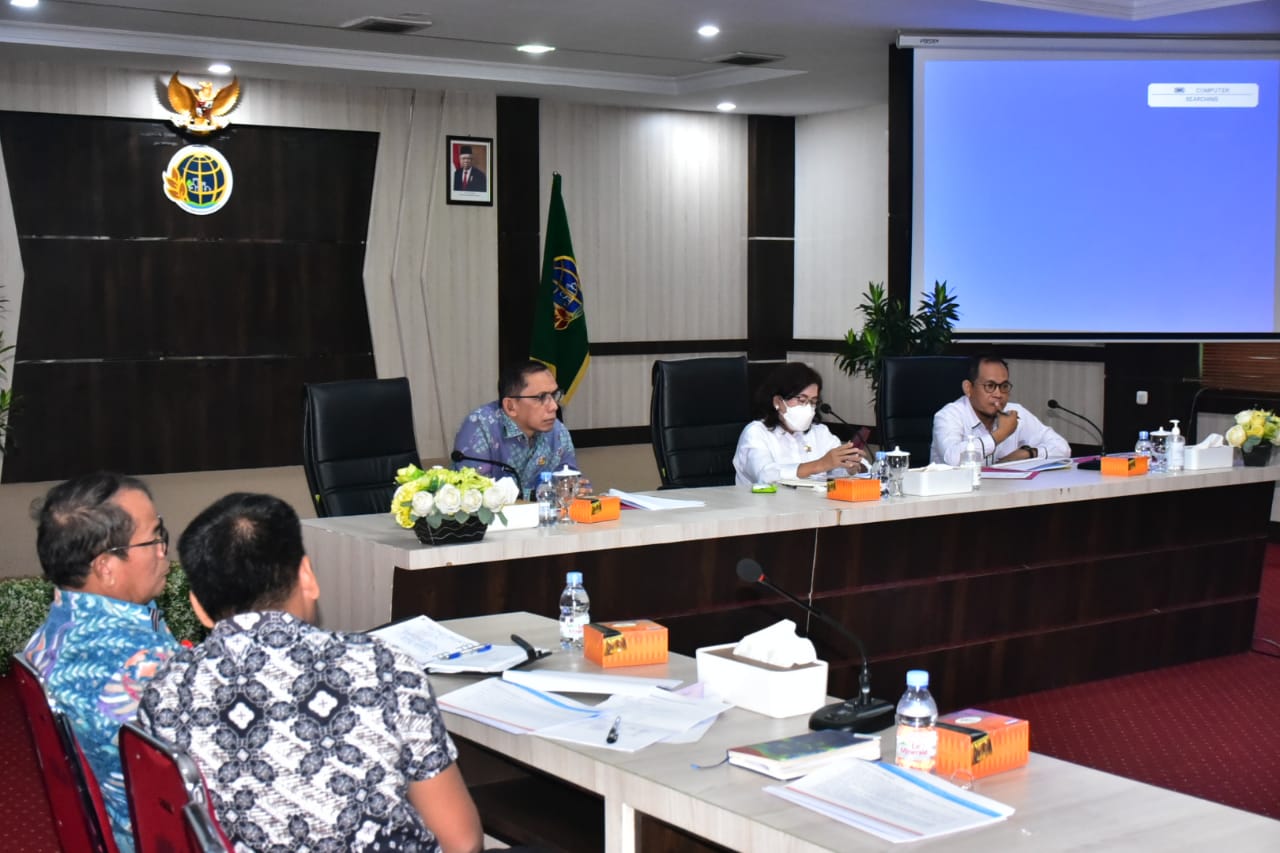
1032 453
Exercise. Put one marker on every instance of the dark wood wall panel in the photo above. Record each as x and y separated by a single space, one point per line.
152 340
519 226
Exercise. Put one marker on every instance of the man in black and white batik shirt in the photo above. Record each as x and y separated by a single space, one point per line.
308 739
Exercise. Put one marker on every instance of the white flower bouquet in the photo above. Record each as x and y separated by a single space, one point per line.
440 494
1253 427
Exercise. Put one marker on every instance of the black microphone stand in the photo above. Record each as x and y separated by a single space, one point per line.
1093 465
863 715
459 456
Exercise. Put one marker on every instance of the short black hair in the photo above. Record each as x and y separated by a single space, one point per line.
515 376
242 554
975 364
78 520
785 381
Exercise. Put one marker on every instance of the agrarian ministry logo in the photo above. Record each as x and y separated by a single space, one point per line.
198 180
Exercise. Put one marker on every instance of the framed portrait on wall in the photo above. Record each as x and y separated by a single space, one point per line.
470 169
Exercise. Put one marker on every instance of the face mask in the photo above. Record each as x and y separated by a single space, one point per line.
798 418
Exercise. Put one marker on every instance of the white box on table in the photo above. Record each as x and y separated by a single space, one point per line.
519 517
1199 458
760 687
940 481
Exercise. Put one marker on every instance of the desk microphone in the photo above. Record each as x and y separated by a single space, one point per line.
826 409
458 456
862 715
1093 465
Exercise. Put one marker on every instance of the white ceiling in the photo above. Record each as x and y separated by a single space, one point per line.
639 52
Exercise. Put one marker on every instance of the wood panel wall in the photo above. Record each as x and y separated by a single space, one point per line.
151 340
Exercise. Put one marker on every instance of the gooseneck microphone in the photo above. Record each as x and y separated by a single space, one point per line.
863 714
1102 442
826 409
459 456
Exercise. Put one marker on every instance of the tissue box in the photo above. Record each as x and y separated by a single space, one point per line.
941 481
978 743
634 643
1125 466
755 686
591 510
519 516
853 489
1199 458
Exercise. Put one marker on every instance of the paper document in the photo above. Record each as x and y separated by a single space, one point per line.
1035 464
804 483
512 708
889 802
586 682
438 649
640 721
650 502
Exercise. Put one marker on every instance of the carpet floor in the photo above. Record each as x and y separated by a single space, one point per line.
1203 729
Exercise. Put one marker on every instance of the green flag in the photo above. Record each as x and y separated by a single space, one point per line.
559 325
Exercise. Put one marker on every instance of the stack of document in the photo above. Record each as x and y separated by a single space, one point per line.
626 721
650 502
440 650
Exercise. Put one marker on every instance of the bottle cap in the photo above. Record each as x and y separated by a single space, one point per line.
1143 435
1175 430
544 477
880 454
576 577
917 678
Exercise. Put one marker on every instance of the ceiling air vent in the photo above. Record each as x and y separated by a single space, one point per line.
392 26
744 58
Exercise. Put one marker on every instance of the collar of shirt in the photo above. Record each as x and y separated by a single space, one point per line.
83 603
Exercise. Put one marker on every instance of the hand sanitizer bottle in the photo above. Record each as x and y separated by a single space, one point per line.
1177 447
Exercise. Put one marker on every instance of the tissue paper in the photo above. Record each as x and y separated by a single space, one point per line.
777 645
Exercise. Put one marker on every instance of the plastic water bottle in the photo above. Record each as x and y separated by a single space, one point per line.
548 512
971 458
1143 447
917 716
880 471
575 611
1177 447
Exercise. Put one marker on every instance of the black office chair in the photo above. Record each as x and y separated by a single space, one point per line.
912 389
355 435
698 409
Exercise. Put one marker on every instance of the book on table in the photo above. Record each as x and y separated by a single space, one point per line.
793 757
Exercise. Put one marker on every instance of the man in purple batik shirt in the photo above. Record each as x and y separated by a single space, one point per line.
519 429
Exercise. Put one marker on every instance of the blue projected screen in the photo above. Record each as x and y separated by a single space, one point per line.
1098 196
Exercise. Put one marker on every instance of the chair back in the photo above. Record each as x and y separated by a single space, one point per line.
75 800
912 389
164 784
355 435
698 409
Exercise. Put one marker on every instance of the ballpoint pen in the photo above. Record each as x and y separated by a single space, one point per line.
612 737
460 652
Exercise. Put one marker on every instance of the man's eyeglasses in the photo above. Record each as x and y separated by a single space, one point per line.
545 397
993 387
804 401
122 551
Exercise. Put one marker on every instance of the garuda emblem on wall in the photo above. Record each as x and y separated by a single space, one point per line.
202 110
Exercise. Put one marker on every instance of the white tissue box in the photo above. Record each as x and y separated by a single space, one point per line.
1197 458
940 481
760 687
519 517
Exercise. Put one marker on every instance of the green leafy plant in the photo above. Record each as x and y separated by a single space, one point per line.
24 604
889 329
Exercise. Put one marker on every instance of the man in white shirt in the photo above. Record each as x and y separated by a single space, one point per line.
1006 431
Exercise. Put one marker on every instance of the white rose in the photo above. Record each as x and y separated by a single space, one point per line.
448 499
471 500
1244 417
422 504
494 499
1235 436
508 489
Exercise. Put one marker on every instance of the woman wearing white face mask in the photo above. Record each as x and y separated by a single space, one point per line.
785 443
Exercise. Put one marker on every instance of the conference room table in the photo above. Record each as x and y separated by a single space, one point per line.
1022 585
572 797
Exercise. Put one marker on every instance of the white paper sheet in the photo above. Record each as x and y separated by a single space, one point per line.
512 708
586 682
650 502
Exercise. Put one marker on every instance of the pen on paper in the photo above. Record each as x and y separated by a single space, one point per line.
469 650
612 737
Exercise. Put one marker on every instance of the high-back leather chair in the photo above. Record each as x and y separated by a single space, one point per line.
698 409
75 800
912 389
163 782
355 435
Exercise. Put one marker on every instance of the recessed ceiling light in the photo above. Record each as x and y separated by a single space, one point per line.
726 106
708 31
24 4
219 68
535 48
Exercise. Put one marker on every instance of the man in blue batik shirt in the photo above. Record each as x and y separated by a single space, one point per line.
101 542
519 429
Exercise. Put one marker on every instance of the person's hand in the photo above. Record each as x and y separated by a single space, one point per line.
845 456
1006 425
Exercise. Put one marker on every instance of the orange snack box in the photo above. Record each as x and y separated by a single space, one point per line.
593 509
1125 466
853 489
633 643
979 743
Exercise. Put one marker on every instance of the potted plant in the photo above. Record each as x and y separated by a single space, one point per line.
444 506
889 329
